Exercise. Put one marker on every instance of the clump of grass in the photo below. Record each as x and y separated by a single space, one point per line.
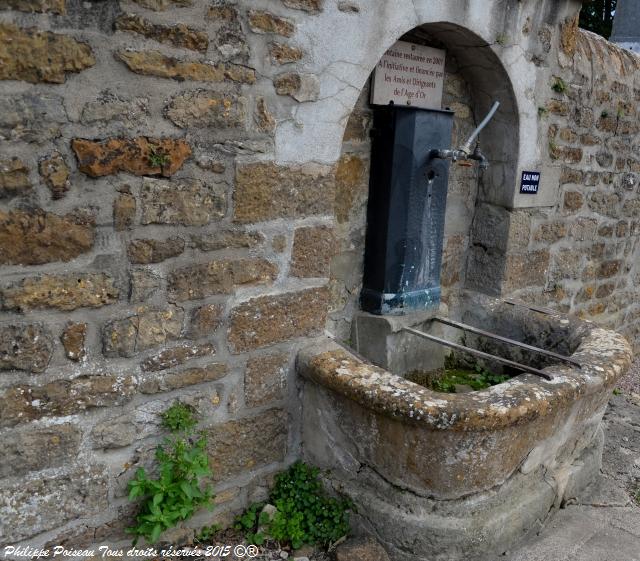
559 85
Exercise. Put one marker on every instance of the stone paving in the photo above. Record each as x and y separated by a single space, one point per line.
604 523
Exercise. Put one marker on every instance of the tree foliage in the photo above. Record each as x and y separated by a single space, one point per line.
597 16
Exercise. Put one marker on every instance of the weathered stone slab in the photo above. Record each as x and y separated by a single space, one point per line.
25 347
20 404
34 237
266 191
189 202
143 284
205 320
169 381
147 329
34 448
301 87
281 53
313 248
179 35
202 108
174 356
40 56
161 5
264 22
111 107
124 211
62 292
55 172
73 340
139 156
350 183
306 5
270 319
33 506
14 178
31 117
147 251
227 239
238 446
154 63
265 379
221 276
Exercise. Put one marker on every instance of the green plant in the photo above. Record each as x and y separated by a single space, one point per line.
305 513
616 391
559 85
175 491
604 114
477 378
206 533
501 39
157 159
542 111
179 418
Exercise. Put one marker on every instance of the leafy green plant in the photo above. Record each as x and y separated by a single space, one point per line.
559 85
542 111
478 378
179 418
305 513
174 492
206 533
616 391
157 159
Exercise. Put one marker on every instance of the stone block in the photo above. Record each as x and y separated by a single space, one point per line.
34 448
20 404
14 178
55 173
174 356
221 276
550 232
34 506
207 109
358 126
111 107
124 211
301 87
73 340
264 22
246 444
25 346
573 201
265 379
179 35
31 117
306 5
262 117
40 56
527 269
361 549
145 251
62 292
34 237
281 53
139 156
350 183
227 239
313 248
143 284
205 320
188 202
154 63
147 329
263 321
162 5
169 381
609 269
266 191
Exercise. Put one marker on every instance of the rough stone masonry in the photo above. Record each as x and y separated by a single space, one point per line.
176 221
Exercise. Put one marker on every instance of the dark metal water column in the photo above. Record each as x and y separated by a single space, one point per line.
406 209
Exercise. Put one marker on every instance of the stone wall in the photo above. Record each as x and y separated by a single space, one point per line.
581 254
150 251
168 175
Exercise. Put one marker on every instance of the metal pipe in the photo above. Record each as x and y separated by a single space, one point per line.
490 335
481 354
467 145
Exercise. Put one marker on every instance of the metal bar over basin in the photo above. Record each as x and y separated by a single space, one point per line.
513 342
481 354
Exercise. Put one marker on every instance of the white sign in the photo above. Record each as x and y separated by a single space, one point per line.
409 74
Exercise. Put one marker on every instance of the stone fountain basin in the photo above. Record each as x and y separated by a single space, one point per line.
448 476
